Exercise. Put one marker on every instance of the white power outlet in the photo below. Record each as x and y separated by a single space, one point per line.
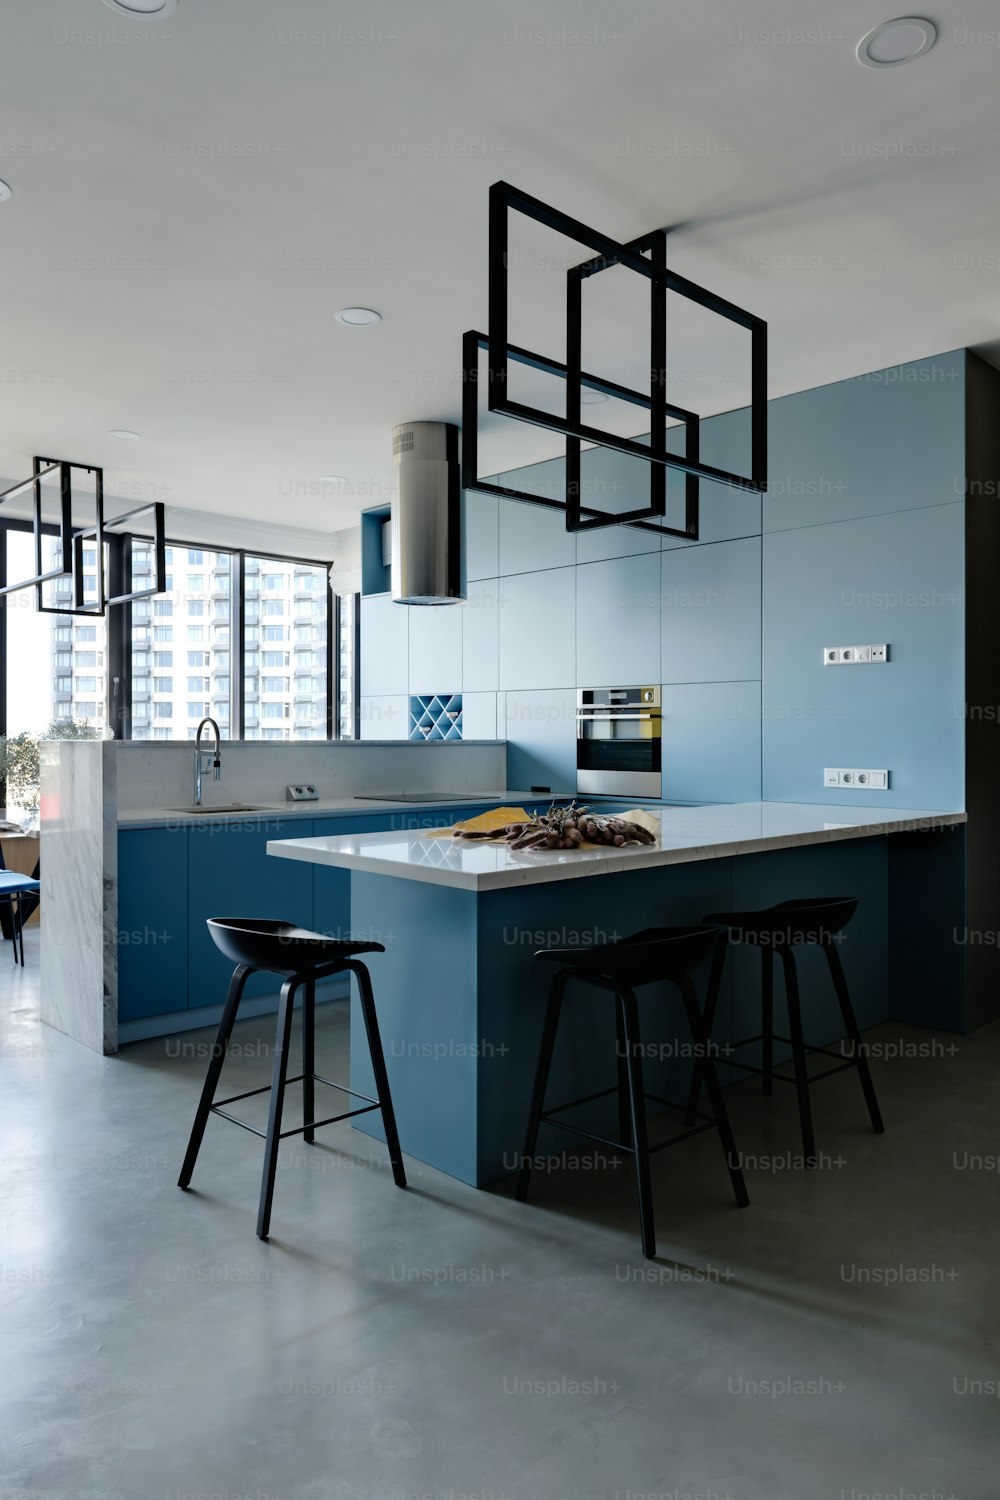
847 656
856 780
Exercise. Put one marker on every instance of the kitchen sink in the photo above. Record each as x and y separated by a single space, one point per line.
231 807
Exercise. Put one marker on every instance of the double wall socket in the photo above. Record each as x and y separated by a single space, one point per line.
849 656
865 781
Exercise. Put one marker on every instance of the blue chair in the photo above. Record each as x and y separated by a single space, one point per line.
13 889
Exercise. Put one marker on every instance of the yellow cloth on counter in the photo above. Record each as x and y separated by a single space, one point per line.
494 821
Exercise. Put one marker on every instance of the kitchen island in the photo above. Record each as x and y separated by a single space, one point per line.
460 997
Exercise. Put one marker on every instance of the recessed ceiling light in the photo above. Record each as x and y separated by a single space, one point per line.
590 397
333 479
896 42
4 192
358 317
123 435
133 8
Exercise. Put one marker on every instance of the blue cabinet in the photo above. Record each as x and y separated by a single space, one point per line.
230 873
152 922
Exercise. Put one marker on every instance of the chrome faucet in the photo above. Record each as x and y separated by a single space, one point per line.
213 758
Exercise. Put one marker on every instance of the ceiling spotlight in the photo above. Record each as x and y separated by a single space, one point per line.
133 8
333 479
4 192
123 435
358 317
896 42
590 397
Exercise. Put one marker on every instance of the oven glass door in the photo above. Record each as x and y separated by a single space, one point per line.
618 741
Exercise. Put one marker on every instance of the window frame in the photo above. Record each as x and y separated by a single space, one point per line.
119 619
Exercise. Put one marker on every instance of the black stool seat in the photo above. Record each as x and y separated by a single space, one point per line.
790 922
261 944
280 947
779 930
654 955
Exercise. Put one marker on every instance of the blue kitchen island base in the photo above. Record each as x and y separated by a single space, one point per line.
460 998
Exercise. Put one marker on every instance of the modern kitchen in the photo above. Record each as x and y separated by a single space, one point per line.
500 649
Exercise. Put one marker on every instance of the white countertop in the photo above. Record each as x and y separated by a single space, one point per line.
715 831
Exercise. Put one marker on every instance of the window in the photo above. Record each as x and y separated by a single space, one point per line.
302 711
196 646
58 666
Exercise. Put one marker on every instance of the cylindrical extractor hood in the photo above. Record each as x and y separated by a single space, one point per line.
426 514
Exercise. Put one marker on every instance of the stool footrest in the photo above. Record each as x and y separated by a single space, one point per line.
216 1109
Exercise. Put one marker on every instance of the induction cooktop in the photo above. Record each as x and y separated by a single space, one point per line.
414 797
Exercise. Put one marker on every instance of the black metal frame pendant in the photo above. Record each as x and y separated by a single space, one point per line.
647 257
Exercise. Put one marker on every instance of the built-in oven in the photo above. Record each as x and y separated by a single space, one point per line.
618 741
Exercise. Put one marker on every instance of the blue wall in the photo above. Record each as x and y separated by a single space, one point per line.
860 539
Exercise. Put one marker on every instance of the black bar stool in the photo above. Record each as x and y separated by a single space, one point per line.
780 929
303 957
659 953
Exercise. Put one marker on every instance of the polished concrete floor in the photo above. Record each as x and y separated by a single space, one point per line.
835 1341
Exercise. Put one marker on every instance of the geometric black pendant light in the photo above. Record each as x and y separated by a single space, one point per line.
71 540
646 257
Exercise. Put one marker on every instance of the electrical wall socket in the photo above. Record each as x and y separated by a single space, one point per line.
862 781
849 656
302 791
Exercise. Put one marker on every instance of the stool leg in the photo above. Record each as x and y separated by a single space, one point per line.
637 1103
232 1005
624 1116
282 1041
711 1006
850 1022
309 1060
767 1017
550 1026
381 1076
798 1055
716 1098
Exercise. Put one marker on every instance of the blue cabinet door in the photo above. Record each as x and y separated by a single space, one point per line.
231 874
152 922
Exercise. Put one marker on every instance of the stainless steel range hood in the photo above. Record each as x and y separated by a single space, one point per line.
426 514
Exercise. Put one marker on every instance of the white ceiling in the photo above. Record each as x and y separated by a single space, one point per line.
194 199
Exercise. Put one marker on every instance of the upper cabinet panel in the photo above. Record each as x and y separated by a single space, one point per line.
711 612
531 537
618 621
435 647
892 440
480 522
724 513
385 646
538 629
